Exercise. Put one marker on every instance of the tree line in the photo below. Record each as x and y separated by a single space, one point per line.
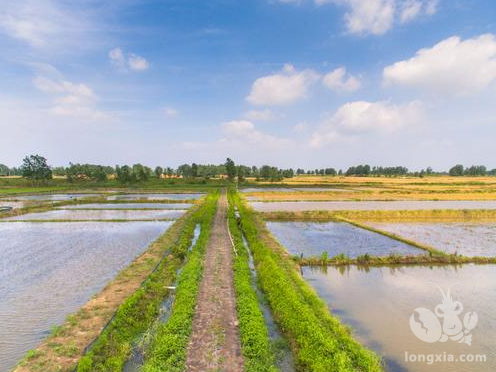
36 167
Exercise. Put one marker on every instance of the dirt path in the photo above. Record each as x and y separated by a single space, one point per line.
214 344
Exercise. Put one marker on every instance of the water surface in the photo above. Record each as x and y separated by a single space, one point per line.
155 196
372 205
50 197
314 238
49 270
129 206
468 239
75 214
378 303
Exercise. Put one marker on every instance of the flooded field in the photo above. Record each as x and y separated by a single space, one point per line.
372 205
468 239
13 205
378 304
155 196
74 214
49 270
49 197
293 189
110 206
314 238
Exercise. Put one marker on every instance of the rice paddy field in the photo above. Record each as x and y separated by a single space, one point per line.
318 273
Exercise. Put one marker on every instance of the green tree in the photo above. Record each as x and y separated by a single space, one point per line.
457 170
35 167
230 169
4 170
158 171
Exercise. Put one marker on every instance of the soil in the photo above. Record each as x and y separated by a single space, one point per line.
215 343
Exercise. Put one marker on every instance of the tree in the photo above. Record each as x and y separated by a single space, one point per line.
457 170
159 171
230 169
194 170
4 170
35 167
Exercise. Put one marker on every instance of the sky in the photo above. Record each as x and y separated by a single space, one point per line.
292 83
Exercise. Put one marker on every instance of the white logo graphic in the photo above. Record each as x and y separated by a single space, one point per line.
427 326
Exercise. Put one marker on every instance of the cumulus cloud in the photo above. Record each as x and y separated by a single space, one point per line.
244 132
360 117
453 66
131 62
282 88
340 81
69 99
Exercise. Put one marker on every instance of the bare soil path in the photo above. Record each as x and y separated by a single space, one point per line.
214 343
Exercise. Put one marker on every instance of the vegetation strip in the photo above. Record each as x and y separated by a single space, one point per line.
318 340
138 312
61 350
255 342
167 350
434 215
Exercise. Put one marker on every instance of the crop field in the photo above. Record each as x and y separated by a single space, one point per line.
147 279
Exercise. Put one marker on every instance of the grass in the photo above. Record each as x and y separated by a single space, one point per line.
111 350
393 259
320 343
256 345
167 351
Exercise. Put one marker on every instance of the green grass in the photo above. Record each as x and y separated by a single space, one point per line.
137 313
255 342
167 350
320 343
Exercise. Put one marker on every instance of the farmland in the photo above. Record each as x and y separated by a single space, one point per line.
169 276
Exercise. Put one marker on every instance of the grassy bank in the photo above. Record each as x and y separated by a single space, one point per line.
111 350
255 342
318 340
394 259
167 351
439 215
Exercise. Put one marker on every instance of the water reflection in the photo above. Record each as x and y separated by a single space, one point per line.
468 239
74 214
378 302
48 270
314 238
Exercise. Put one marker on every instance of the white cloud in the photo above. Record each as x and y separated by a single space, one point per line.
137 63
244 132
132 62
452 66
340 81
359 117
282 88
44 23
170 112
376 17
259 115
69 99
370 16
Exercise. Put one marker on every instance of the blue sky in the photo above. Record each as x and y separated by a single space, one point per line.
309 83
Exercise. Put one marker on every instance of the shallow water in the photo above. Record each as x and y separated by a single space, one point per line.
49 270
314 238
74 214
50 197
130 206
155 196
372 205
468 239
13 205
292 189
378 303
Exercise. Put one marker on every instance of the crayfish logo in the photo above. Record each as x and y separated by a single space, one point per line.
427 326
